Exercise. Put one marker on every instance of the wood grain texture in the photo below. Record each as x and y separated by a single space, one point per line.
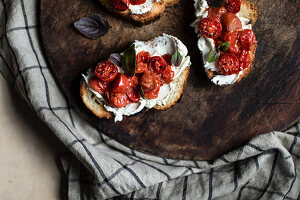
209 120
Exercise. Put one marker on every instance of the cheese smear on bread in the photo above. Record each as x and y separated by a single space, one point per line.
205 45
143 8
159 46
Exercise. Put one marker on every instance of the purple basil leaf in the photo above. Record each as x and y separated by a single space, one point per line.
116 59
92 26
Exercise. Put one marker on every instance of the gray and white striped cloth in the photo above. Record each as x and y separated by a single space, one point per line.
100 168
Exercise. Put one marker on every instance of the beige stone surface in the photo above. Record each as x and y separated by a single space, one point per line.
28 151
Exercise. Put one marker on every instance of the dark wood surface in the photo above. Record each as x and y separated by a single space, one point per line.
209 120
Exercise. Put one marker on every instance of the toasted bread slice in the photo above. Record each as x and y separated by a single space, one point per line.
248 11
94 104
140 19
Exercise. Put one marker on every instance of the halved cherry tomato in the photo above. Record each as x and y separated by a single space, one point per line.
167 58
121 5
167 76
118 100
247 39
133 94
133 81
106 71
98 85
210 27
142 59
216 12
245 59
231 22
120 84
137 2
152 94
157 64
149 81
229 64
233 6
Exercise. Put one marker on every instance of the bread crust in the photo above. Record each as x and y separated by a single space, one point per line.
248 11
143 19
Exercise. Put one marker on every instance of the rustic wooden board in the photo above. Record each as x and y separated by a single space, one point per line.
209 120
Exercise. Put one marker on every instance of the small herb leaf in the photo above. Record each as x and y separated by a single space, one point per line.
250 21
129 61
224 46
176 59
115 58
92 26
213 56
217 3
141 91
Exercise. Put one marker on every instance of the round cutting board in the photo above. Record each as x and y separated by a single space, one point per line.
209 120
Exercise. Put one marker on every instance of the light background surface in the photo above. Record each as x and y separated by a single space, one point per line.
29 163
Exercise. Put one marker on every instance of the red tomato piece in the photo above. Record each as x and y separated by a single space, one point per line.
98 85
133 81
120 84
133 94
142 59
157 64
149 81
106 71
210 27
229 64
118 100
233 6
216 12
152 94
231 22
167 58
137 2
167 76
247 39
120 5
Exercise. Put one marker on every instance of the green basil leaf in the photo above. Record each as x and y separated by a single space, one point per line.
250 21
129 61
141 91
224 46
217 3
176 59
213 56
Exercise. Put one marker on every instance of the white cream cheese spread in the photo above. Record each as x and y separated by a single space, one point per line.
143 8
159 46
205 45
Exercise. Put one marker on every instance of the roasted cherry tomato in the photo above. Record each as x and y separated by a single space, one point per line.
106 71
152 94
121 5
229 64
167 58
216 12
245 59
98 85
210 27
231 22
133 81
157 64
133 94
247 39
167 76
118 100
233 6
137 2
120 84
142 59
148 81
